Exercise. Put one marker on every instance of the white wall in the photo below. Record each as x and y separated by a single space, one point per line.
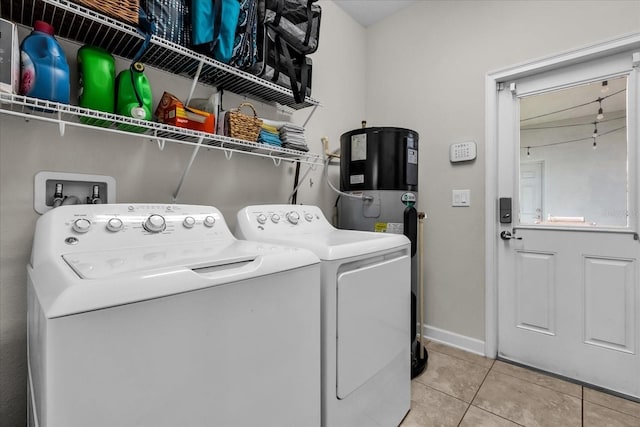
145 174
426 70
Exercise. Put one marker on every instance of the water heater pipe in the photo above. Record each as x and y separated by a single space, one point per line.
327 159
329 154
421 216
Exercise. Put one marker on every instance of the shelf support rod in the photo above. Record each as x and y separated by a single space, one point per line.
188 168
276 160
228 154
61 123
194 83
315 107
159 141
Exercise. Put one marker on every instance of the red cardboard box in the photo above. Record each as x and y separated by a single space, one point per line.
173 112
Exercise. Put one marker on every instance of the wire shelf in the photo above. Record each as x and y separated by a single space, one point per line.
64 114
83 25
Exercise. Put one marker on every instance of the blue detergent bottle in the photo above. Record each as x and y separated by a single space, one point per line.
44 71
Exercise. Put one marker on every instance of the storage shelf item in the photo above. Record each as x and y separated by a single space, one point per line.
75 22
69 115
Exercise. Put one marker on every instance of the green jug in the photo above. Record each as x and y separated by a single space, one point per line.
133 96
97 75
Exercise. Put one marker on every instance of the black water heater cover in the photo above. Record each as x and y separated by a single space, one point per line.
379 158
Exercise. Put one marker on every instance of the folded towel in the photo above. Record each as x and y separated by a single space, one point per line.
269 128
269 138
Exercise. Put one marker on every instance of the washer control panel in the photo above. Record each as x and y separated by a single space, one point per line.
283 219
106 226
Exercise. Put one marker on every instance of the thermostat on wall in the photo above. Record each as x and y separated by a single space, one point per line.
462 152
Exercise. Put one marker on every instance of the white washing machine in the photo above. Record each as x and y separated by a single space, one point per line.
155 315
366 305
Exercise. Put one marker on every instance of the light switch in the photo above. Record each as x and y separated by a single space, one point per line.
461 198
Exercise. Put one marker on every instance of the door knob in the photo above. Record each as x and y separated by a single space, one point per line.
506 235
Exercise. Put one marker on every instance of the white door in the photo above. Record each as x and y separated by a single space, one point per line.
568 283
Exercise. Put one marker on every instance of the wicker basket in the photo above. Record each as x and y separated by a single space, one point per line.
124 10
243 126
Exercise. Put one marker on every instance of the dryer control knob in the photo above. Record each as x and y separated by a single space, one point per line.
275 218
189 222
155 223
262 218
81 225
293 217
308 217
115 224
209 221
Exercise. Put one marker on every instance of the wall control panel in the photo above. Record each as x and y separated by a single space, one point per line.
462 152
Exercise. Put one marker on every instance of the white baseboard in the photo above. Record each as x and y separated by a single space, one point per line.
453 339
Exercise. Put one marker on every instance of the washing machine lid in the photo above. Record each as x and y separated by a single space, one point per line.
86 281
127 261
337 244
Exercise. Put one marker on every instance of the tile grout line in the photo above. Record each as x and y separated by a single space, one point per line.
476 393
610 408
486 410
464 359
541 385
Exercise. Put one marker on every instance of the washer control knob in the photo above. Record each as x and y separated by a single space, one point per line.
155 223
275 218
293 217
189 222
308 217
115 224
209 221
81 225
262 219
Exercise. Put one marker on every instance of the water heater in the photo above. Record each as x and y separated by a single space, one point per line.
381 163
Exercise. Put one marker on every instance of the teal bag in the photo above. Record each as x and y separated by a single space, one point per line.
214 24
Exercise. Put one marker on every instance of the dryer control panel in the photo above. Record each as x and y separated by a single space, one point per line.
283 219
112 226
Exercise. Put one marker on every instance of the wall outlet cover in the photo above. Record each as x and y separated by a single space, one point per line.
461 198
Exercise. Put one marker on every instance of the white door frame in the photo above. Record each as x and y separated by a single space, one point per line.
573 57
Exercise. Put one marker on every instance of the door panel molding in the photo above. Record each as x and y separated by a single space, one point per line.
536 291
609 302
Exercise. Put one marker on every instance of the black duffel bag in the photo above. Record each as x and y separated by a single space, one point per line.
284 66
297 22
288 30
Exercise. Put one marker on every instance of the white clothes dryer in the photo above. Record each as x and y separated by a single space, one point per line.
366 304
155 315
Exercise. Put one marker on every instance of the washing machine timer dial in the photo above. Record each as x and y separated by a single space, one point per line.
155 223
293 217
115 224
209 221
189 222
81 225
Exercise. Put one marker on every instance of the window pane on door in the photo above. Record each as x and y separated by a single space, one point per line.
573 156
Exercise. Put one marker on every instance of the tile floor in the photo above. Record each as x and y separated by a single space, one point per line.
467 390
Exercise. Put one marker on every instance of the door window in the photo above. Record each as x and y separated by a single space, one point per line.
574 156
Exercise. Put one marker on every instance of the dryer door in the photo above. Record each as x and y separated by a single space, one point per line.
374 304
